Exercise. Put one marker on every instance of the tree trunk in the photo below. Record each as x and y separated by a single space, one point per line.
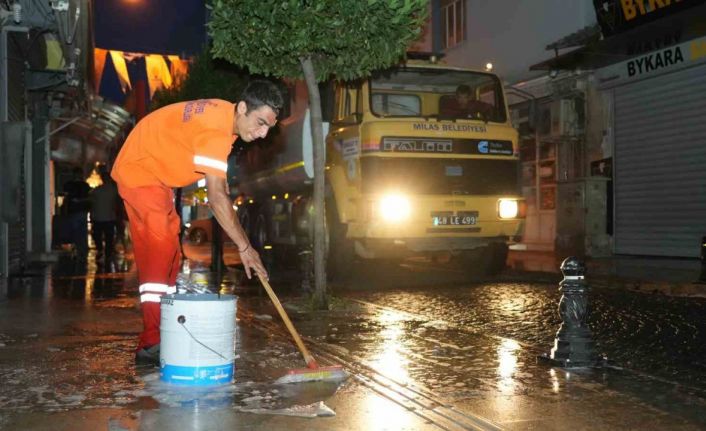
320 299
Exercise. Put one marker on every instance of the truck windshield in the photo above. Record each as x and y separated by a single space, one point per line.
439 93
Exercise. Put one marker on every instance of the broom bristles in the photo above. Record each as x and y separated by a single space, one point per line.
327 374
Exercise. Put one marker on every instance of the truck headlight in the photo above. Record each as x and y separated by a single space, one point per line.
508 208
394 208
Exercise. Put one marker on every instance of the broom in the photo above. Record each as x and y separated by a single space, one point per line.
313 372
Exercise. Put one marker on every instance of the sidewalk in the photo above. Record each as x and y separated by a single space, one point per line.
667 276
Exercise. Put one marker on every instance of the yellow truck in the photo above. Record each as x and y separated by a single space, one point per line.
421 160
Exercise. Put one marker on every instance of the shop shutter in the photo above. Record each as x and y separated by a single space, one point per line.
660 165
16 131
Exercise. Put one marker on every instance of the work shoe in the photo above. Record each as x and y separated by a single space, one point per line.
148 356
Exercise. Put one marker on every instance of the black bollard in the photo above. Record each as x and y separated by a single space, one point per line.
573 345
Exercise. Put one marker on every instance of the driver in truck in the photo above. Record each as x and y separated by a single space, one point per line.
172 147
465 105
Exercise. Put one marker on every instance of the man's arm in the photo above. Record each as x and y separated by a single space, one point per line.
222 208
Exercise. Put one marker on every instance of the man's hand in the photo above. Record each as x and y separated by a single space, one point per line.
251 262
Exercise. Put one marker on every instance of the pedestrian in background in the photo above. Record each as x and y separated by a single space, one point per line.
76 201
104 203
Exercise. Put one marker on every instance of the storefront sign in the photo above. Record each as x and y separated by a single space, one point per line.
654 63
617 16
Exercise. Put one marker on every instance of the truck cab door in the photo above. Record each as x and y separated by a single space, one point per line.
343 146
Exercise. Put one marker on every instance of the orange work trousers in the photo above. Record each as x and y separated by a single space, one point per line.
154 228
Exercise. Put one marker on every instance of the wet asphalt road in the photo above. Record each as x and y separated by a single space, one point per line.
473 342
649 333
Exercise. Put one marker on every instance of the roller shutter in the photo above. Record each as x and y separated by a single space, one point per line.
660 165
14 141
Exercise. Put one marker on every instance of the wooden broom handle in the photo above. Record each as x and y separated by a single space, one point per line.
310 361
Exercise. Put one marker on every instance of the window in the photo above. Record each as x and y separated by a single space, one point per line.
453 22
396 104
421 92
349 102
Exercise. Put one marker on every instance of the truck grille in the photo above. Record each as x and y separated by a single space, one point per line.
425 176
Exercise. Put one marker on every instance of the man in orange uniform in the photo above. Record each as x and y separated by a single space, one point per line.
173 147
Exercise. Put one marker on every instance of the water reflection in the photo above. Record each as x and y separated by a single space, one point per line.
384 415
88 291
388 359
507 365
89 280
554 380
512 304
29 287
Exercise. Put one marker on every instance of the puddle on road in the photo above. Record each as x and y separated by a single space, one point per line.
250 396
41 373
71 342
650 333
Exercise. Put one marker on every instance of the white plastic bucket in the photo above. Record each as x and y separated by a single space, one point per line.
197 339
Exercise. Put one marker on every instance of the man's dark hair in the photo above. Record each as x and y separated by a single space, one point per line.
463 89
260 93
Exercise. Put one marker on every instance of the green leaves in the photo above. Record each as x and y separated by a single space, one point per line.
345 38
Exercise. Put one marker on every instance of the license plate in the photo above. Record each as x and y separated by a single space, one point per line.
455 220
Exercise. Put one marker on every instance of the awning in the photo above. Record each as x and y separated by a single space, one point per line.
99 131
671 30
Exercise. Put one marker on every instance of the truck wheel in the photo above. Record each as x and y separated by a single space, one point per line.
340 254
260 237
498 258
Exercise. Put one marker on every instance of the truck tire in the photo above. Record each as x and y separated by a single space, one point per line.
260 234
497 258
339 254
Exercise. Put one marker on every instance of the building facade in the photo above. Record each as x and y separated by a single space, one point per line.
50 121
607 98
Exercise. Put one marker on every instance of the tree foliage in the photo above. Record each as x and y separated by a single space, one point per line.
315 40
207 79
344 38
